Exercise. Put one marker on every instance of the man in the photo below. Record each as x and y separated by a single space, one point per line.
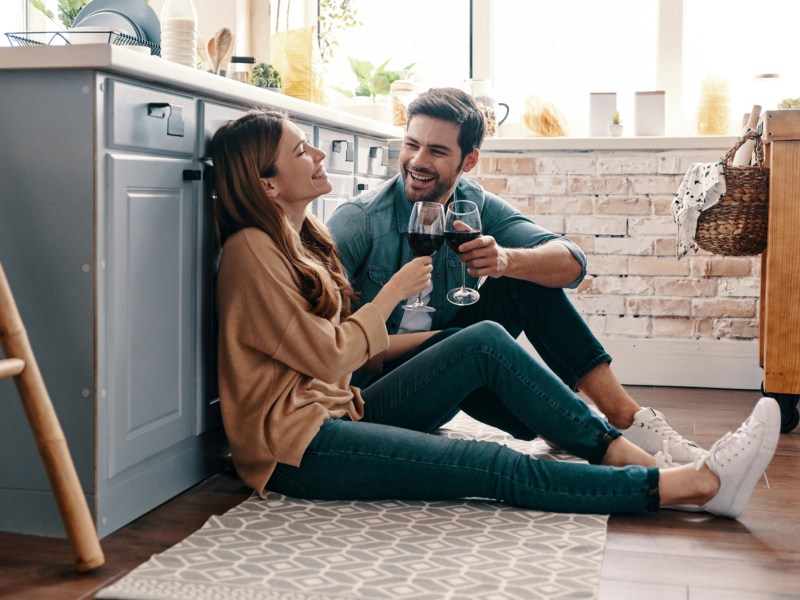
526 268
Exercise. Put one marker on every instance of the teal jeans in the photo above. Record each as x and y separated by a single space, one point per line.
482 370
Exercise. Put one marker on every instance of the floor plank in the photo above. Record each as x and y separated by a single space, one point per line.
666 556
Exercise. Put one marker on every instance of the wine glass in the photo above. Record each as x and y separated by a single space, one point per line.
462 224
425 236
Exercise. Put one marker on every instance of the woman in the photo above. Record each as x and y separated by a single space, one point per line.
289 343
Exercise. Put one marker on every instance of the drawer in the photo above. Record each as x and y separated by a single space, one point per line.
214 117
364 184
145 118
340 148
342 192
372 157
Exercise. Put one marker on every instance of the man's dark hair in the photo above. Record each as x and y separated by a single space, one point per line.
456 106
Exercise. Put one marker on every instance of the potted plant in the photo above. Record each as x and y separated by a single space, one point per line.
615 128
374 81
67 10
264 75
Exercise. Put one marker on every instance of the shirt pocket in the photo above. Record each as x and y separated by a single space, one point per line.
380 277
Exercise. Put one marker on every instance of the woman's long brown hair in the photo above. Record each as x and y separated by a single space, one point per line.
243 152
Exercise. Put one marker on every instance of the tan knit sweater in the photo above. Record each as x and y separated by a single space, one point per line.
282 370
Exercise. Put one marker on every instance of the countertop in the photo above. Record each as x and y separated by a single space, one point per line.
122 61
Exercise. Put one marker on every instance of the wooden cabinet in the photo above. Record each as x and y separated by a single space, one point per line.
780 273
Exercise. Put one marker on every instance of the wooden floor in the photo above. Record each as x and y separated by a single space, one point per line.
664 556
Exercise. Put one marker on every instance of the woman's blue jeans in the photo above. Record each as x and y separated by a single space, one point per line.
392 454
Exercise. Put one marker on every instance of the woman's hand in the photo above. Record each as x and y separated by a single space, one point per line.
411 279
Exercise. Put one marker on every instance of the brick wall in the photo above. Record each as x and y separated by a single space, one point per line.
616 206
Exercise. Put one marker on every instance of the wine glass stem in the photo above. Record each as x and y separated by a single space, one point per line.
463 276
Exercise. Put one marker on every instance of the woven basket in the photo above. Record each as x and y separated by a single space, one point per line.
737 224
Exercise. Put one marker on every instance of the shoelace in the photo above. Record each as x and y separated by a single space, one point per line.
660 426
728 446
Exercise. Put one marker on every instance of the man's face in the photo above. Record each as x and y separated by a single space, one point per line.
430 159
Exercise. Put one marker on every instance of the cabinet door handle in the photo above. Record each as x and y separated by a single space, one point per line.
373 153
192 175
336 146
172 112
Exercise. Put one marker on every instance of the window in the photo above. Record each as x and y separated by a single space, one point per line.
12 18
432 34
562 51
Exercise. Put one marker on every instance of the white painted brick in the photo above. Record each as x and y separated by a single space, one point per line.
700 156
604 284
673 327
662 204
688 287
724 307
566 165
644 184
642 246
657 266
597 225
622 205
736 328
628 326
676 307
571 205
607 265
554 223
658 225
615 165
604 305
598 185
749 286
539 184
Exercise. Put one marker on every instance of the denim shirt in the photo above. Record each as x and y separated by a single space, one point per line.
371 233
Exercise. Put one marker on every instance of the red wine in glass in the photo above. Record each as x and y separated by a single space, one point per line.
462 224
424 244
425 236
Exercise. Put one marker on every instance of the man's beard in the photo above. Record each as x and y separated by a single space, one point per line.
438 193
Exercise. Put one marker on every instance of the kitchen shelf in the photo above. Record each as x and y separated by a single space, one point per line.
62 38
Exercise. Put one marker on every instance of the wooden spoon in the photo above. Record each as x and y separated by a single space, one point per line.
212 55
202 53
224 45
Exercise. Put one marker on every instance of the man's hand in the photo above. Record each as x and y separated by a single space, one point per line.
484 257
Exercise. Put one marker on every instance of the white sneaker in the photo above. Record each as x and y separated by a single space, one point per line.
651 432
740 458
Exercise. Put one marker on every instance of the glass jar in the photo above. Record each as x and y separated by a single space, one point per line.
240 68
714 107
402 92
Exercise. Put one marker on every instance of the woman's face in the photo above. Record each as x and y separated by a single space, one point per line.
300 176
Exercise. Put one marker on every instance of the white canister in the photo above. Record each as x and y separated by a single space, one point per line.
649 108
602 106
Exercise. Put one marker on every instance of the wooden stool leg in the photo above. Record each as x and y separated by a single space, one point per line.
49 436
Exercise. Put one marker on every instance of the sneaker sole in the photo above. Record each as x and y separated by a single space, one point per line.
762 460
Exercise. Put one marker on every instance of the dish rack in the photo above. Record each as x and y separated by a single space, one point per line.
62 38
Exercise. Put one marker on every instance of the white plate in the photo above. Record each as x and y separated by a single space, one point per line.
110 20
138 12
87 34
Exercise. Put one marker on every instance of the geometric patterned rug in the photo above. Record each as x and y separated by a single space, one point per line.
288 549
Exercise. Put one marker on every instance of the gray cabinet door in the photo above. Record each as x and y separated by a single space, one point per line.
151 289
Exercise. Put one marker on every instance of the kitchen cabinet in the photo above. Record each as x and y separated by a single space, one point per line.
106 237
372 163
780 267
340 147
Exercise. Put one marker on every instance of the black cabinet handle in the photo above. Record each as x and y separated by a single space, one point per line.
192 175
172 112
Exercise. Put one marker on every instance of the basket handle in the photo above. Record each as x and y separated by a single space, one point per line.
753 134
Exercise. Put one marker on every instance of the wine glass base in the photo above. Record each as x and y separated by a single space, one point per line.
463 296
420 308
